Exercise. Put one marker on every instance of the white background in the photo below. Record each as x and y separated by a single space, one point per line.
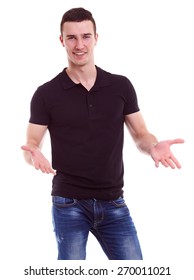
151 42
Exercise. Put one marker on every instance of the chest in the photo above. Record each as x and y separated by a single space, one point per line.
79 107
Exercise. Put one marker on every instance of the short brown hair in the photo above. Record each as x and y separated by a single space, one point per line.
77 15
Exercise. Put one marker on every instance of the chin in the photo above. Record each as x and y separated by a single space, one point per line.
80 63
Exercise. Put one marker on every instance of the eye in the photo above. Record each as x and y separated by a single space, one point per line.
86 36
70 37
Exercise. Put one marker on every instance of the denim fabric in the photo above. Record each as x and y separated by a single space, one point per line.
109 221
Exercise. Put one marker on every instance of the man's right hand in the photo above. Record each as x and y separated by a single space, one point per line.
38 160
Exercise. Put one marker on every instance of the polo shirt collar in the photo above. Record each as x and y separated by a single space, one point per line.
102 79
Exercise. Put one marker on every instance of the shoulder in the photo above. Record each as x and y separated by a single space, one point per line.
113 78
49 89
49 85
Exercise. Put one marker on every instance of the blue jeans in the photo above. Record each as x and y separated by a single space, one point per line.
109 221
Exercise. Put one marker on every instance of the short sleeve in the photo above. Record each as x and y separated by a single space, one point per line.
38 111
131 102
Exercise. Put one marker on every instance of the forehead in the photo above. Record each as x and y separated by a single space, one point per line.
76 28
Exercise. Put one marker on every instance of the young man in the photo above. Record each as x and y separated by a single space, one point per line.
85 108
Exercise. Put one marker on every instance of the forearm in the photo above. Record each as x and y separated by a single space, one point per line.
146 142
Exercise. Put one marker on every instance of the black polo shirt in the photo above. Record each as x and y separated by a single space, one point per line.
87 133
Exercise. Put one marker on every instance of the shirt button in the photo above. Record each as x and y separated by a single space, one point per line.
90 105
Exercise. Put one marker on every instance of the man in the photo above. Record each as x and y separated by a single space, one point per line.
84 109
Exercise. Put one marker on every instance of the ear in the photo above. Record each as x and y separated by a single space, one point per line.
96 38
61 40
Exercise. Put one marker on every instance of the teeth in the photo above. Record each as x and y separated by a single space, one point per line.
79 53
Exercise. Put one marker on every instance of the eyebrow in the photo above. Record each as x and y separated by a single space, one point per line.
84 34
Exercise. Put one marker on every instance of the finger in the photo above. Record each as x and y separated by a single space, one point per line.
42 168
45 169
170 163
175 161
49 170
177 141
26 148
36 165
157 163
53 172
164 162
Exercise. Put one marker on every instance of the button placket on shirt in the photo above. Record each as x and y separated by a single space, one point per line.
90 104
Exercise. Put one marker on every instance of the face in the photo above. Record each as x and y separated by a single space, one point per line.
79 40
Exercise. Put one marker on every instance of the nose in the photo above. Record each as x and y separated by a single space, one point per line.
79 43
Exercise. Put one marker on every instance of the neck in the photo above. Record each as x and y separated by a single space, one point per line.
82 74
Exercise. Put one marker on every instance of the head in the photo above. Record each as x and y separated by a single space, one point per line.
78 35
77 15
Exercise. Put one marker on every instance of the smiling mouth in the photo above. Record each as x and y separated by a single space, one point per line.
79 53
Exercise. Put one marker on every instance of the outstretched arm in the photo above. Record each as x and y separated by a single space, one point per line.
32 149
148 143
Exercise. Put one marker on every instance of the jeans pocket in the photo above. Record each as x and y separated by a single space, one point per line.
62 202
119 202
